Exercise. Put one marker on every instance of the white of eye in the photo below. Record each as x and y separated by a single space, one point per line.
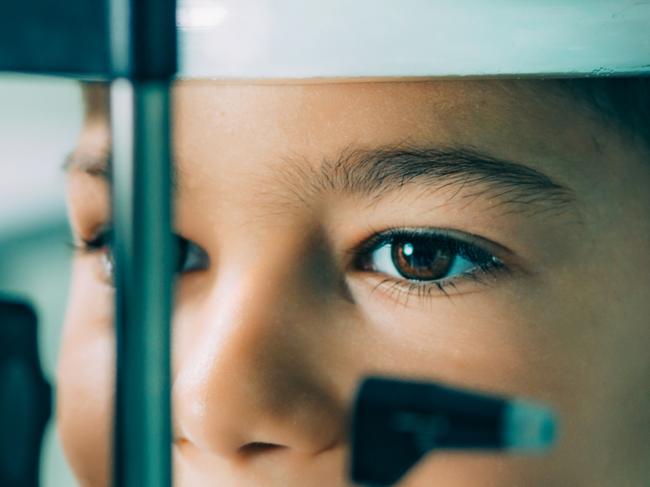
382 261
107 265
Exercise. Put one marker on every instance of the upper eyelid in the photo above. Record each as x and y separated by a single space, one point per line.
99 239
96 233
380 237
92 243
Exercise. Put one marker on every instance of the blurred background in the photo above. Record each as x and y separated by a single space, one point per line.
40 118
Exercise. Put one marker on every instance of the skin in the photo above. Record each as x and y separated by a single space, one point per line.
271 339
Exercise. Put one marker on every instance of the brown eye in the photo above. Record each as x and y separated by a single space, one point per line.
423 256
419 260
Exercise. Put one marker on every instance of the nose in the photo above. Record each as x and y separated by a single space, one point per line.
252 375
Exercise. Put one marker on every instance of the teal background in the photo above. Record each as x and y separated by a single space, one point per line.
39 122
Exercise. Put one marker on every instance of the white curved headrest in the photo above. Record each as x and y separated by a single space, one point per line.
387 38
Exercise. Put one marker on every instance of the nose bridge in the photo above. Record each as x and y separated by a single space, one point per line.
249 376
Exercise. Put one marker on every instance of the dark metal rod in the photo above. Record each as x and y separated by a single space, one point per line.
141 164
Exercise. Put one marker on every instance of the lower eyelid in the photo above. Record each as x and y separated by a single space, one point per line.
401 291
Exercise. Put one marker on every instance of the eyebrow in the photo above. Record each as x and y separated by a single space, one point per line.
375 172
93 163
466 171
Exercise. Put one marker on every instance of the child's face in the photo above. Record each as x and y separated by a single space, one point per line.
529 278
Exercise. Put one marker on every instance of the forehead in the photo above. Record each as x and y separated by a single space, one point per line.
364 110
231 140
248 125
367 111
222 130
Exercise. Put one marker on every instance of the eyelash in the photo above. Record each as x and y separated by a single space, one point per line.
93 244
189 256
486 264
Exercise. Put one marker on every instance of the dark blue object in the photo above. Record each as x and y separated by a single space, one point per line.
55 37
396 422
25 397
89 39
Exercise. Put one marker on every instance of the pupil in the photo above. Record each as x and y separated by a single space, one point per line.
421 260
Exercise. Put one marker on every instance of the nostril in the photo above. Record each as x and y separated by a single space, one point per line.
256 447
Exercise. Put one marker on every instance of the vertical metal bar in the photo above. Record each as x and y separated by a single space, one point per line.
122 123
140 121
143 59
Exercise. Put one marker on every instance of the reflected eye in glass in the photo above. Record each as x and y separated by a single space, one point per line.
425 260
189 256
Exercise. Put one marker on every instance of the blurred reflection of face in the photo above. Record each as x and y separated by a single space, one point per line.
487 234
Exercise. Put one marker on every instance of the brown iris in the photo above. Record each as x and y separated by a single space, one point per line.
421 259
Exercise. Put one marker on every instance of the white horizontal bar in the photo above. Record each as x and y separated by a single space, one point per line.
385 38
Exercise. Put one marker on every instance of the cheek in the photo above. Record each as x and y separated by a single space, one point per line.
493 470
477 339
85 379
503 341
507 340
